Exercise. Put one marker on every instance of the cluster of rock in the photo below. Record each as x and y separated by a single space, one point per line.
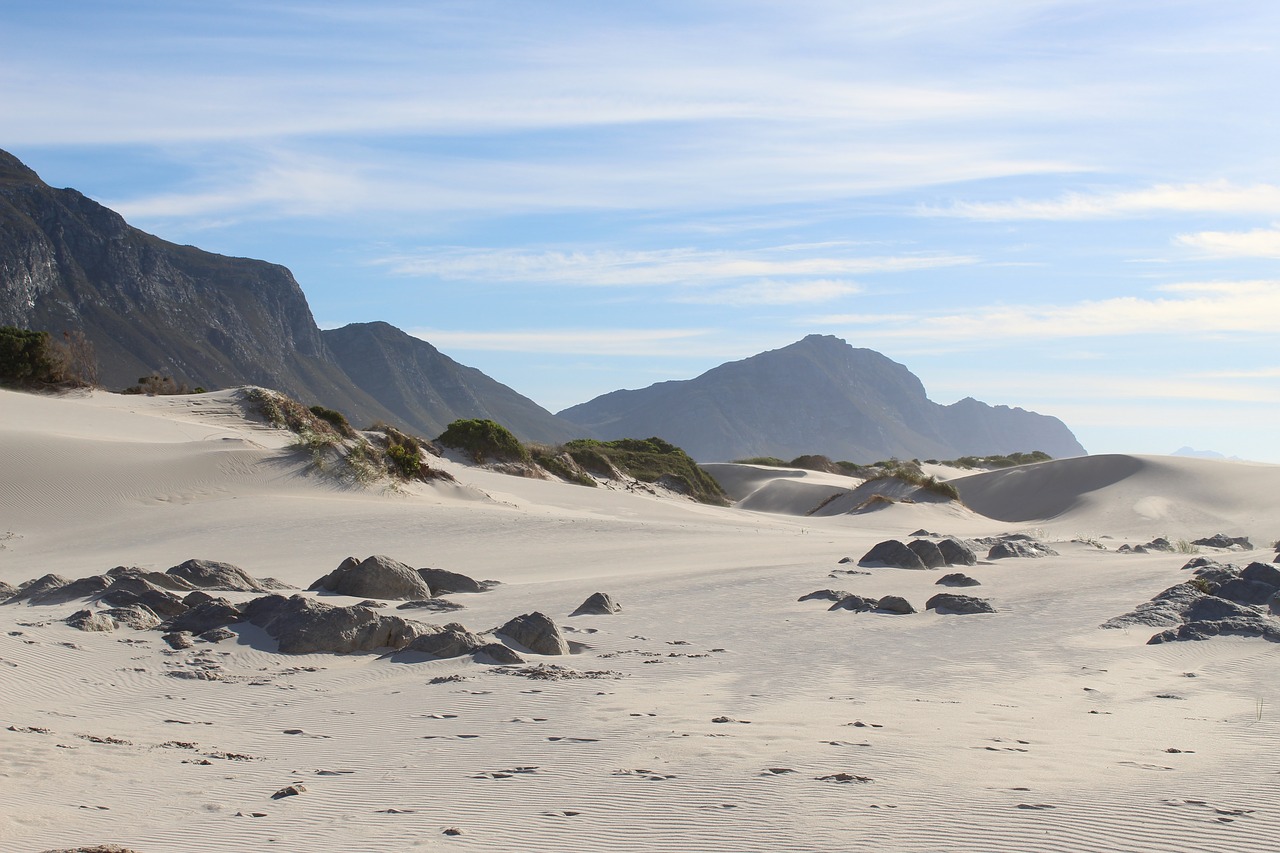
1222 540
300 624
1221 599
1157 545
1015 545
943 602
920 554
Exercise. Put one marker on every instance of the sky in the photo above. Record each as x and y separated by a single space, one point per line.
1072 207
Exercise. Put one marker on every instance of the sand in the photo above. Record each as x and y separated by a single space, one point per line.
1030 729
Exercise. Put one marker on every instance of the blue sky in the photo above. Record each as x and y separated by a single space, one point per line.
1073 207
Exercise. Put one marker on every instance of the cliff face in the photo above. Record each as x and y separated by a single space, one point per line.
68 263
819 395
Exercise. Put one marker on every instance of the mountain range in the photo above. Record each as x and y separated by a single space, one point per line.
148 305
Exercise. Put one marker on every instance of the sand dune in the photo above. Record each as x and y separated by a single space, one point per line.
1030 729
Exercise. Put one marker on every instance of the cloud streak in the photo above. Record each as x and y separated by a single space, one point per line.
1215 197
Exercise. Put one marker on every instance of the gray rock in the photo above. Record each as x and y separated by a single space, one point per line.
83 588
956 553
217 635
134 616
598 604
497 653
1211 608
1263 573
198 597
825 595
537 633
7 591
451 641
37 587
306 626
440 605
894 604
957 579
1244 591
950 602
124 592
856 603
928 553
375 577
1222 540
1199 563
370 603
205 617
1239 627
1159 544
210 574
442 581
178 640
893 553
91 620
96 848
162 580
1015 548
1274 604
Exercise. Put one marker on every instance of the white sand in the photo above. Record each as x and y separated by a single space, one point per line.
986 737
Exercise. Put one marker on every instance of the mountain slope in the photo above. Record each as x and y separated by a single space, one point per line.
68 263
818 395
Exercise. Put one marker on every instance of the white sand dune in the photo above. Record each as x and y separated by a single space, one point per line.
1030 729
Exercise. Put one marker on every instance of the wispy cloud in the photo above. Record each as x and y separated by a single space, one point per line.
1258 243
607 342
1216 197
1194 309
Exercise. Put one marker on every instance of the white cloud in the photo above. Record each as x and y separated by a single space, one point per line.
607 342
1215 197
774 292
1258 243
1207 308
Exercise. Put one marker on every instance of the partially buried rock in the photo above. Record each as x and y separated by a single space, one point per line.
130 590
440 605
62 593
1019 548
36 588
178 640
1222 540
96 848
7 591
217 635
950 602
928 553
90 620
598 604
895 604
956 553
375 577
291 791
537 633
825 595
1238 627
205 617
136 617
444 581
454 640
210 574
305 626
856 603
893 553
957 579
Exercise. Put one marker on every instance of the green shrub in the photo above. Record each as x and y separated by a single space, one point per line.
558 461
335 419
405 462
156 385
771 461
484 440
31 358
648 460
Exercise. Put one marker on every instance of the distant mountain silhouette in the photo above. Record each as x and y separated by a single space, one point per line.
67 263
818 395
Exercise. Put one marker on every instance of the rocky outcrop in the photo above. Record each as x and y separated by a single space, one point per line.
454 640
1016 548
306 626
34 589
210 574
537 633
1222 599
374 577
817 396
928 552
135 617
216 613
598 604
949 602
1222 540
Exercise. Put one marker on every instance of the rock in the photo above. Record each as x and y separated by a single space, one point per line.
537 633
598 604
956 579
375 577
1019 548
1166 608
844 560
178 640
162 580
922 532
856 603
1263 573
825 595
205 617
451 641
437 604
893 553
1240 627
96 848
928 553
371 604
950 602
210 574
1211 608
38 587
124 592
7 591
1274 604
1244 591
198 597
498 653
291 791
90 620
62 593
1159 544
305 626
135 616
1222 540
956 553
894 604
1199 562
217 635
442 581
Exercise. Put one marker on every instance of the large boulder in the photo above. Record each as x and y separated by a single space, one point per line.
950 602
375 577
856 603
444 581
210 574
83 588
537 633
453 640
1263 627
1019 548
598 604
892 553
136 617
928 552
306 626
956 553
1222 540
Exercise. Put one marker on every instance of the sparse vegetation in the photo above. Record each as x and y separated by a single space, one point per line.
650 460
33 359
993 462
484 440
1185 546
335 419
557 461
154 385
1202 584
